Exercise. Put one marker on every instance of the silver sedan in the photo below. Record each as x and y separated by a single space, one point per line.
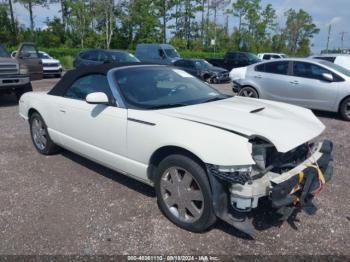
310 83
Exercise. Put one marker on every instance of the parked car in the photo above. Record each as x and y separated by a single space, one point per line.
157 53
339 59
51 66
15 74
234 60
269 56
203 70
315 84
208 155
102 56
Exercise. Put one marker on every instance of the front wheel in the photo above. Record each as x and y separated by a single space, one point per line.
345 109
248 92
40 136
184 194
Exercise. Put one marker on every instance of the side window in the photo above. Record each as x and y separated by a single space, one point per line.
280 68
308 70
29 51
260 68
179 63
88 84
242 57
267 57
102 56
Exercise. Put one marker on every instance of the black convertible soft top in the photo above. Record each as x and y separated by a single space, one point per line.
68 79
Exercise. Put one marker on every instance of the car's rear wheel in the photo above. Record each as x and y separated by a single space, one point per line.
248 91
345 109
24 89
183 193
40 136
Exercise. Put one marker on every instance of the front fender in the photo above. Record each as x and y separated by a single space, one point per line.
211 144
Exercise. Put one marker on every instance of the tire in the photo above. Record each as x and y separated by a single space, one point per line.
248 91
344 109
58 75
187 202
40 136
24 89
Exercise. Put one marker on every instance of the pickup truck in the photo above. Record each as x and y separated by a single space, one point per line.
234 59
16 74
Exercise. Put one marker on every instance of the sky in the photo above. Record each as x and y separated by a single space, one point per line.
324 12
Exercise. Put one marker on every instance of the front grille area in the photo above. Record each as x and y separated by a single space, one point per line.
6 69
51 65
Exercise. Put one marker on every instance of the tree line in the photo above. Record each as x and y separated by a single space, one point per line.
201 25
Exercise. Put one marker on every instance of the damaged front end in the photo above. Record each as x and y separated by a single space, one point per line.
289 180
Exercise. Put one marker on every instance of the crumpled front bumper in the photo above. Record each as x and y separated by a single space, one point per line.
299 186
295 188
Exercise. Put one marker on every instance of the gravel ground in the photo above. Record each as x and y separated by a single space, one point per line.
65 204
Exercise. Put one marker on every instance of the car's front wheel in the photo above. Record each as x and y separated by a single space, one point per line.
184 194
40 136
248 91
345 109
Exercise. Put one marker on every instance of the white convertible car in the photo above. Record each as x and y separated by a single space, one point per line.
208 155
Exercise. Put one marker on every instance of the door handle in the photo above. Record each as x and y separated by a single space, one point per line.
258 76
62 110
294 82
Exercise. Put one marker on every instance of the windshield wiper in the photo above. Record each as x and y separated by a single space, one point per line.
167 106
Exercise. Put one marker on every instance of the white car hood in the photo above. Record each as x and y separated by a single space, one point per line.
286 126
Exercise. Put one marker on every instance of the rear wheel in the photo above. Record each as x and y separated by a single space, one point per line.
183 193
24 89
40 135
248 92
345 109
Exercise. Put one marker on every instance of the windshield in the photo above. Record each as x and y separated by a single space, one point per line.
3 52
252 57
123 57
335 67
204 64
153 87
44 56
171 53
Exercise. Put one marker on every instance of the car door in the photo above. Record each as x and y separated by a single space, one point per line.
308 88
28 55
273 80
95 131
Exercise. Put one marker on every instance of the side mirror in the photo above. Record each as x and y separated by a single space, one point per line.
328 77
161 53
97 98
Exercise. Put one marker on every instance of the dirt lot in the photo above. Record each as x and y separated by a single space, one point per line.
65 204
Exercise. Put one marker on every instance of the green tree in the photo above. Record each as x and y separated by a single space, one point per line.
299 29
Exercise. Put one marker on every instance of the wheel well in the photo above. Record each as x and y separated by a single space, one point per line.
31 111
252 88
342 102
166 151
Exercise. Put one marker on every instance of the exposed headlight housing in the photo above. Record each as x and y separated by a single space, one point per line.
23 70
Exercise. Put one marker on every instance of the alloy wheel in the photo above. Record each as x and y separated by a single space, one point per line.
182 194
39 133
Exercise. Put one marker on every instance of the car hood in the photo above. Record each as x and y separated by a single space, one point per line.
50 61
8 60
216 69
285 126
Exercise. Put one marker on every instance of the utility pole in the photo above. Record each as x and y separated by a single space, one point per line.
342 39
329 36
